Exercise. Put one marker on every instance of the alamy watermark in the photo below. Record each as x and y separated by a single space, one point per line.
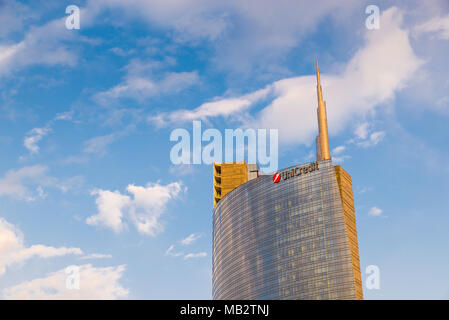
372 280
372 22
190 150
73 20
72 281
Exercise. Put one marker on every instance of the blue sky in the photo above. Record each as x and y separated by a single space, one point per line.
86 115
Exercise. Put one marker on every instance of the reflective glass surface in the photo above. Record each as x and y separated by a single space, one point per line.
283 240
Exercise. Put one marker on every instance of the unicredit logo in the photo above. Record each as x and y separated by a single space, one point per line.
295 172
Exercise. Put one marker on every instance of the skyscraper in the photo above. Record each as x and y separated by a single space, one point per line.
228 176
291 235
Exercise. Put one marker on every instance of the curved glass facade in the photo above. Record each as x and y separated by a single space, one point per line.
285 240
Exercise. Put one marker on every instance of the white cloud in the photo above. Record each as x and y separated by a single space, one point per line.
438 26
144 208
46 44
195 255
443 103
12 17
365 137
142 81
375 211
73 183
18 183
379 69
375 73
121 52
149 204
74 160
67 115
110 205
362 130
186 242
374 139
41 193
41 45
36 134
243 33
189 19
338 150
96 256
340 159
15 182
94 283
220 107
99 144
363 190
431 33
171 253
14 251
33 137
190 239
141 88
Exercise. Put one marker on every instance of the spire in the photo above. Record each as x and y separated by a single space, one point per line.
322 140
318 74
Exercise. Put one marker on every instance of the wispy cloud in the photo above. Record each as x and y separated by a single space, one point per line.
219 107
14 251
382 67
373 140
437 26
190 239
20 183
365 138
142 88
33 137
195 255
94 283
375 211
243 35
16 183
145 79
186 242
338 150
98 145
45 40
340 159
96 256
361 190
46 44
13 16
170 252
67 115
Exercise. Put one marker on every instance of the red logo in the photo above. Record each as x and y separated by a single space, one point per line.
276 177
